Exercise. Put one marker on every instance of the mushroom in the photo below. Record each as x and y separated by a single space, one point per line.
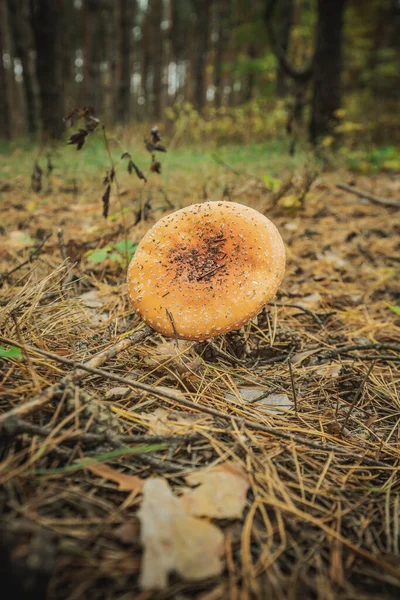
206 269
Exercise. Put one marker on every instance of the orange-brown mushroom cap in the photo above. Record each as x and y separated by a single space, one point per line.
206 269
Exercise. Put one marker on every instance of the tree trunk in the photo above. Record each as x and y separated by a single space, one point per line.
45 18
5 115
285 20
91 53
202 8
327 68
21 34
157 56
126 17
223 32
248 92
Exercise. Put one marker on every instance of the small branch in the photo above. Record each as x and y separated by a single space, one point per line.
15 426
34 254
307 311
352 348
224 164
367 196
293 387
301 75
357 397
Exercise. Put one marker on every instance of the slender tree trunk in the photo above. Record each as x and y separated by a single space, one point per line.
126 17
5 114
202 8
21 34
327 68
157 47
251 76
223 10
285 20
45 19
91 53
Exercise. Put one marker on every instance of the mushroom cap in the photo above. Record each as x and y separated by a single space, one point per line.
206 270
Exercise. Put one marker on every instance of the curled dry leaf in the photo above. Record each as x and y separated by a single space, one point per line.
126 483
174 541
221 492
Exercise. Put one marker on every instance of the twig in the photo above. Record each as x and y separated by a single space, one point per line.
330 353
358 395
293 386
222 163
307 311
34 254
46 396
164 394
367 196
15 426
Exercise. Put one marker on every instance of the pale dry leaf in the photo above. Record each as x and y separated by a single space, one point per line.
91 299
328 371
126 483
117 392
221 492
166 422
275 403
300 356
174 541
246 394
312 301
175 355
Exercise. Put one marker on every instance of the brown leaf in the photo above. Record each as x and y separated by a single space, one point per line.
133 167
221 492
126 483
78 138
174 541
127 533
106 201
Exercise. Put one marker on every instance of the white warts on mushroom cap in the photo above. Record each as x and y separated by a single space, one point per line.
206 269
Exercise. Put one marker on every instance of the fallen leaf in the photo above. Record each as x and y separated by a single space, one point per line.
246 394
276 403
221 492
165 422
117 392
300 356
328 371
174 541
126 483
127 533
91 299
312 301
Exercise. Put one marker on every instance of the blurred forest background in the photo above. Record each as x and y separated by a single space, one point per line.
232 70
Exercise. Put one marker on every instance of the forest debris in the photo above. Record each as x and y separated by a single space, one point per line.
221 492
126 483
174 541
91 299
273 403
165 422
367 196
276 404
127 533
312 301
329 371
117 392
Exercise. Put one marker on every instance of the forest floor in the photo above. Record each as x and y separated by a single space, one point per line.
266 462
